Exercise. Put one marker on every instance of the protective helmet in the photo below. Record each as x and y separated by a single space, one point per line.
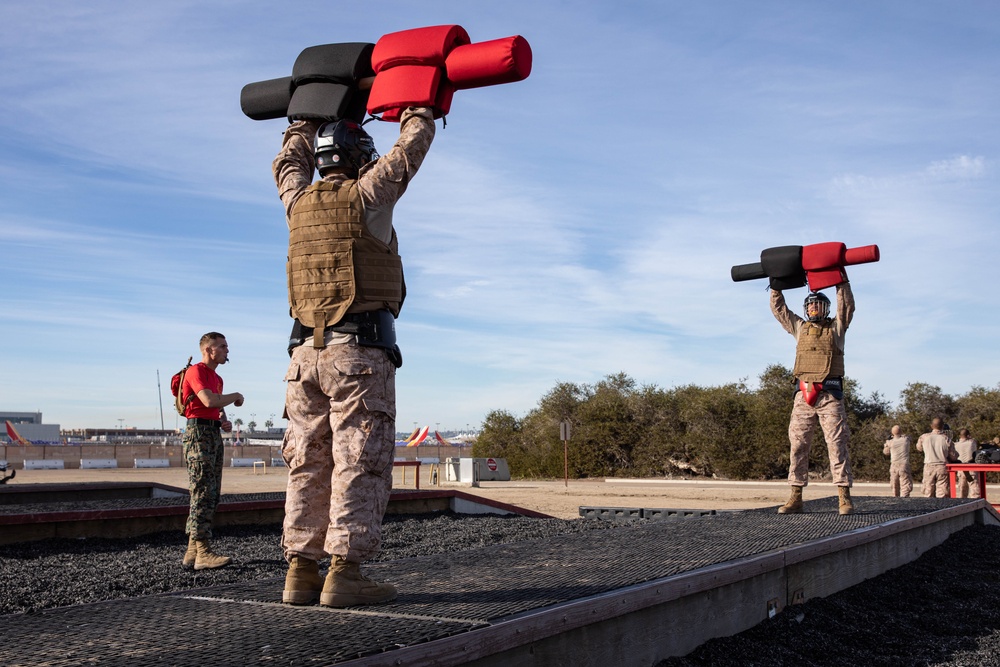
343 144
823 303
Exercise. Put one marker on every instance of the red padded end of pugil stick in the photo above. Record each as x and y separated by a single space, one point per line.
404 86
826 278
861 255
418 46
820 256
489 63
446 91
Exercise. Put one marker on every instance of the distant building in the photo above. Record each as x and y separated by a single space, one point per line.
30 427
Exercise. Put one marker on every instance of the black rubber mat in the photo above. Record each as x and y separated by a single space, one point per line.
440 595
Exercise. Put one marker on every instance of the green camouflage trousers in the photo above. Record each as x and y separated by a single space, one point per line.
203 453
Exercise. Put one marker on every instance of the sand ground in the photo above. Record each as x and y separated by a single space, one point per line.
553 497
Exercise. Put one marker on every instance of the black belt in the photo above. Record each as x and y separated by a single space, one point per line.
198 421
374 328
352 322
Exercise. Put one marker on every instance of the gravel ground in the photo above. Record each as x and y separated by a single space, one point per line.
939 610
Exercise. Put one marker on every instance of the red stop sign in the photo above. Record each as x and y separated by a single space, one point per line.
491 464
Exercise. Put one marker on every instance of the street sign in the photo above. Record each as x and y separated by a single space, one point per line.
564 433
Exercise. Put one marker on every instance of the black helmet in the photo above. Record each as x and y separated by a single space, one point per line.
343 144
820 300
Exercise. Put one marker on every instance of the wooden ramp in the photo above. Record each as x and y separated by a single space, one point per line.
633 595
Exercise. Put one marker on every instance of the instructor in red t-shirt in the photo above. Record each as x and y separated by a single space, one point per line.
203 450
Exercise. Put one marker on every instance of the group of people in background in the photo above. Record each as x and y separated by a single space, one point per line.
939 450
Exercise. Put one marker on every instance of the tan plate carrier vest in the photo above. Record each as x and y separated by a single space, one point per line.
816 355
335 265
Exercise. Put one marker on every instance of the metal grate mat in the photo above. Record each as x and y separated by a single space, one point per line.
441 595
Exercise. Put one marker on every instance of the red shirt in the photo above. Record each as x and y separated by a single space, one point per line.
199 377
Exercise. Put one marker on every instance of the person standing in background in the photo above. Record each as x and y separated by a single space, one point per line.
966 482
938 452
205 409
897 448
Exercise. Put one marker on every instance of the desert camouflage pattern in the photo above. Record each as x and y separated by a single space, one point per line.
938 450
381 183
341 399
935 482
898 450
829 414
966 449
339 448
967 483
900 473
793 323
203 456
900 479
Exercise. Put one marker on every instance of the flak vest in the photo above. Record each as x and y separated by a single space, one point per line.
816 355
335 265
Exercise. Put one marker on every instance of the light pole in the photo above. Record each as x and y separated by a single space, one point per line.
437 436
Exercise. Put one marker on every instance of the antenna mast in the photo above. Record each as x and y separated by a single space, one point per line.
160 394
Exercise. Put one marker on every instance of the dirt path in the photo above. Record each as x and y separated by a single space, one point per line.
554 498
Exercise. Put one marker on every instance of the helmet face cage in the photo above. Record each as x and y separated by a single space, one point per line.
822 307
343 145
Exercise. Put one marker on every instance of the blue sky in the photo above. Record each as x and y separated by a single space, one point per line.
576 224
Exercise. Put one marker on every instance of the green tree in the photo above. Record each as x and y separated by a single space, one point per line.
605 429
659 444
868 419
772 406
733 431
979 411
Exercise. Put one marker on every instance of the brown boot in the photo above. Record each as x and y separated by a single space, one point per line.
190 555
846 507
205 559
302 583
794 504
345 586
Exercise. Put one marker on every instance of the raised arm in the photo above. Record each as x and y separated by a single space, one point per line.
788 320
845 306
385 181
294 166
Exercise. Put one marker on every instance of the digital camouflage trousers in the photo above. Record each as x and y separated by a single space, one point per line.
203 455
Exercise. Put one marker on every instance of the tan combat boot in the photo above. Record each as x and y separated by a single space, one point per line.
794 504
205 559
190 555
302 583
345 586
846 507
